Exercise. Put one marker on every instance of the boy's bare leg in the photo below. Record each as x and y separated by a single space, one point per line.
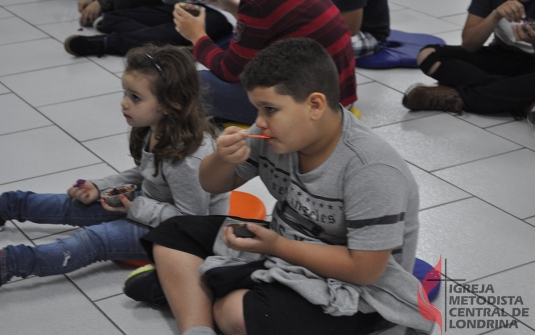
228 313
186 290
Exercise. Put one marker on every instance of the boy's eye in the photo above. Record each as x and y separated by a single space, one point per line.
135 98
270 110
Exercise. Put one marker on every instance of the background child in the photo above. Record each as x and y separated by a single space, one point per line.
479 78
260 24
339 253
132 27
170 136
90 10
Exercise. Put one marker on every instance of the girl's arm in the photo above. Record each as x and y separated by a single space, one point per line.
131 176
477 30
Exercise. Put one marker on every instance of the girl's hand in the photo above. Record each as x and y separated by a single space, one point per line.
85 192
232 145
265 241
90 13
126 205
189 26
511 10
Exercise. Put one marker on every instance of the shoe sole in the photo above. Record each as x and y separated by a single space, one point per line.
67 42
148 267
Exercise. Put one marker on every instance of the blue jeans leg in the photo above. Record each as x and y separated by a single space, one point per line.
53 208
114 240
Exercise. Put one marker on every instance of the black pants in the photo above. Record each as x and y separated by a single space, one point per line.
493 79
269 308
134 27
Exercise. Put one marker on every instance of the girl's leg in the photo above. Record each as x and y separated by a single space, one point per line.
53 208
114 240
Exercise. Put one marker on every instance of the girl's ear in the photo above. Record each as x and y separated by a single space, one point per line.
318 104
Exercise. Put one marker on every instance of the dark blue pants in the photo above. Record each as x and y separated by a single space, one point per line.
134 27
228 101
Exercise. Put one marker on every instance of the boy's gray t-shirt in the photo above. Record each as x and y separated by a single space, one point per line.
364 196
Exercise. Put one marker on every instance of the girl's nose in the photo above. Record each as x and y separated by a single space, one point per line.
124 103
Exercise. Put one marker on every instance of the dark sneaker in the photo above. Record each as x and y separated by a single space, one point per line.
78 45
143 285
2 224
441 98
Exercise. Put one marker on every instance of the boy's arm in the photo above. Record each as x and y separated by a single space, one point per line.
353 19
330 261
477 29
217 171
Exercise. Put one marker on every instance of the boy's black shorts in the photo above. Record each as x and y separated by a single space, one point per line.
269 308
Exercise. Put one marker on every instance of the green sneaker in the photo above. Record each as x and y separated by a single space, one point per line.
143 285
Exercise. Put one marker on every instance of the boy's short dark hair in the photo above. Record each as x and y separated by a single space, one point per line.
296 67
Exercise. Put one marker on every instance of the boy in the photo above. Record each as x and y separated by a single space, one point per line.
342 241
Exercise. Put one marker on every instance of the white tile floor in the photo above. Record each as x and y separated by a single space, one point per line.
60 120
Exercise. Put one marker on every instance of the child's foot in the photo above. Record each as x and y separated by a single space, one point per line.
442 98
143 285
78 45
2 226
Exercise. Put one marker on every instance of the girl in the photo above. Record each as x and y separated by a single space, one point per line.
170 136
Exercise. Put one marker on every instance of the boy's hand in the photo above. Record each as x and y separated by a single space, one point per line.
85 192
511 10
82 4
126 205
265 241
232 145
189 26
90 13
524 32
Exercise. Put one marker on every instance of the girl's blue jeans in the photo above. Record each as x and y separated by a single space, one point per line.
105 235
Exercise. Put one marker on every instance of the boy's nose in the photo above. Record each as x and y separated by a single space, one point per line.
260 122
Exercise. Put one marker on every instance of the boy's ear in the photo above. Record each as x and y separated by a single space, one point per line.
318 105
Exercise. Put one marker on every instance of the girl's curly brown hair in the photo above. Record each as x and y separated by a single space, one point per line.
176 85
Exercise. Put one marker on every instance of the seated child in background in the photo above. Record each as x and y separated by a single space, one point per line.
170 136
260 24
482 79
369 23
92 9
128 28
340 250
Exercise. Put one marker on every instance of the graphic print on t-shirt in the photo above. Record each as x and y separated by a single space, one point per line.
309 217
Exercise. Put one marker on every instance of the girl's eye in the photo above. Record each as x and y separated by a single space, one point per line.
135 98
270 110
